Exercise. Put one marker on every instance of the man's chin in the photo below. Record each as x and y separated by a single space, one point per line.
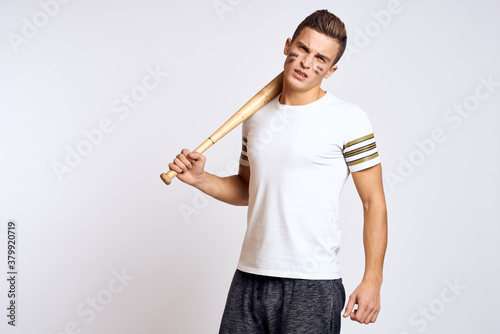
300 86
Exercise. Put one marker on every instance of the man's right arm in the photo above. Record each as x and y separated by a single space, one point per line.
232 189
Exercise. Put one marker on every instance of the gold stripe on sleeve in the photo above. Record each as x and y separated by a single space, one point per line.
360 150
370 157
359 140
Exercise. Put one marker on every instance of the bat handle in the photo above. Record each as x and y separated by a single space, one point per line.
168 176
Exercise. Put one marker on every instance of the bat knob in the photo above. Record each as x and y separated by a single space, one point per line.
167 177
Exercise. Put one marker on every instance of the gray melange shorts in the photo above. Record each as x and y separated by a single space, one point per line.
274 305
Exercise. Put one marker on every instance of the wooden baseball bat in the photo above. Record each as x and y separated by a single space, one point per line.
266 94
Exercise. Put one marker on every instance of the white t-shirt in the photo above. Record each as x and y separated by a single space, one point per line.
300 158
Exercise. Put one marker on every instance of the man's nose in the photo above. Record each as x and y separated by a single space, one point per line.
307 61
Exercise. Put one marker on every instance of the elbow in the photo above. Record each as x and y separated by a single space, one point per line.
244 199
238 195
244 203
240 201
244 192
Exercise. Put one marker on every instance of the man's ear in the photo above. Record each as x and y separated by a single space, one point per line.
330 71
288 43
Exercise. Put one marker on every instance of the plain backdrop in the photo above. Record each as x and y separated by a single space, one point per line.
97 97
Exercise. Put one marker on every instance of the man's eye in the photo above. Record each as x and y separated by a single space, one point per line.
303 48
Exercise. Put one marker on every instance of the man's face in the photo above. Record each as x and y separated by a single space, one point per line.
309 59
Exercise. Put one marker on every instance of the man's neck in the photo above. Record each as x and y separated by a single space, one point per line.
298 98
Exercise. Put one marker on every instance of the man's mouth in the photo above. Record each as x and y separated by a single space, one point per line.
302 74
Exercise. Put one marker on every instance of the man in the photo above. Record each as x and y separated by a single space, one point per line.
297 152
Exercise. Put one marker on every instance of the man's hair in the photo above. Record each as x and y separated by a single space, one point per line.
326 23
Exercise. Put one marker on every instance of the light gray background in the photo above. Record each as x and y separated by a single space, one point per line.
112 213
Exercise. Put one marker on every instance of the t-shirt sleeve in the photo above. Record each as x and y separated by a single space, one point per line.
244 154
360 150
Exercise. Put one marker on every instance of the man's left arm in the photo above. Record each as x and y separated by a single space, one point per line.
369 185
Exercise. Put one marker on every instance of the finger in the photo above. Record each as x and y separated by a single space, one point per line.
373 316
350 306
370 314
178 165
194 156
354 315
174 167
187 163
361 313
185 151
178 162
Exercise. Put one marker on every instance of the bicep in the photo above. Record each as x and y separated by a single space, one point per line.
369 184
